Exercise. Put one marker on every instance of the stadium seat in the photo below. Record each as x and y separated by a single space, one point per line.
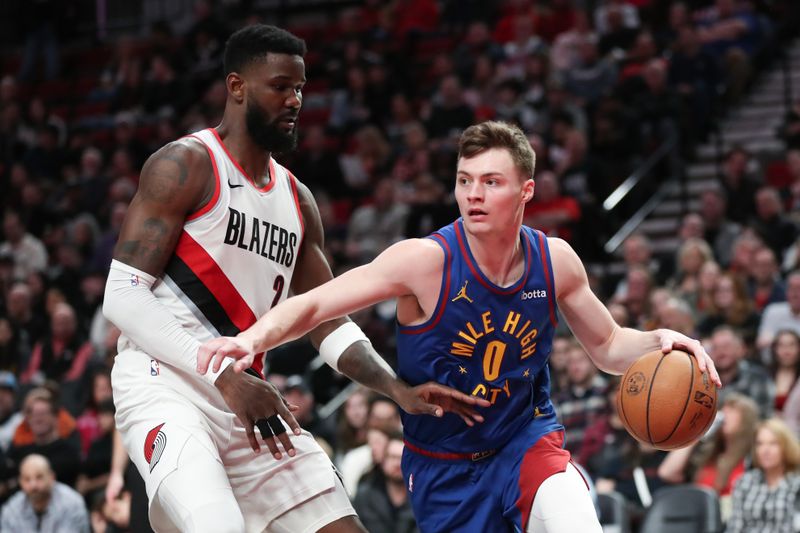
613 513
683 509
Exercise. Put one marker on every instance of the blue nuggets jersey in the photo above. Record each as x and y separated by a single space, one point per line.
487 341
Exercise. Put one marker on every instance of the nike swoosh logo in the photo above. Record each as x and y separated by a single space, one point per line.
234 185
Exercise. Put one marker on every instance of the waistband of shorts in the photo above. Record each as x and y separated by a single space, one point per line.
450 456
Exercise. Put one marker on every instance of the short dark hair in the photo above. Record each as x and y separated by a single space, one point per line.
493 134
253 43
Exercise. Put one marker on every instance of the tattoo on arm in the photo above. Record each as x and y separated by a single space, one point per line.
150 248
167 174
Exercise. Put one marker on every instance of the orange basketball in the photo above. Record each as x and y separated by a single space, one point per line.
665 401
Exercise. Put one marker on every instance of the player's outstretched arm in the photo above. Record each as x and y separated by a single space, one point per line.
320 308
612 348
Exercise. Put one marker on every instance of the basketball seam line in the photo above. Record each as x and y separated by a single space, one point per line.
647 405
688 397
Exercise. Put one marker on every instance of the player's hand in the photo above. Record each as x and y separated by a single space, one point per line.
216 350
253 400
436 399
672 340
114 486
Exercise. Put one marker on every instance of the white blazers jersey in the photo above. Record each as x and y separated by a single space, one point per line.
235 257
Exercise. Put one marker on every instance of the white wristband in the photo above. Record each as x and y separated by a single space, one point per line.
337 341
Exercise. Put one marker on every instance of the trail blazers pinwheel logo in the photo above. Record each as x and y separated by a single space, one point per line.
154 446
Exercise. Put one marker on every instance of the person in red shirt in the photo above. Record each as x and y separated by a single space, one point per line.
550 211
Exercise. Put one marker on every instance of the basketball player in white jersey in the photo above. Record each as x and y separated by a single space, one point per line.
217 234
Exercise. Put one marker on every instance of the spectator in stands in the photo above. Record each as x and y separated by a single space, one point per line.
44 503
368 164
558 362
376 226
583 401
10 418
616 460
692 254
29 253
744 250
349 110
550 211
381 500
477 42
636 297
739 184
731 306
449 113
565 52
618 38
593 77
41 417
737 373
414 157
707 280
676 314
765 498
630 17
784 364
693 73
731 34
88 423
718 460
63 354
770 223
720 232
96 465
318 167
351 429
297 391
781 315
26 324
383 417
164 89
765 285
658 108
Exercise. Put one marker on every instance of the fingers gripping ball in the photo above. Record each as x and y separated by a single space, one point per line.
665 401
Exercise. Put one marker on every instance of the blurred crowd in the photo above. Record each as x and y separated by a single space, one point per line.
596 85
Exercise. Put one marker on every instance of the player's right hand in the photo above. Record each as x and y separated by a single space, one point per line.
252 399
218 349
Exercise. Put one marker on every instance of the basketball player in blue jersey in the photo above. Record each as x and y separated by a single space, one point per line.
476 310
218 233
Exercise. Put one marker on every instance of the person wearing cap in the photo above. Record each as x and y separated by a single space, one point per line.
10 417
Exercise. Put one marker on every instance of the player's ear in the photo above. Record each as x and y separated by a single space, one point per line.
527 190
235 84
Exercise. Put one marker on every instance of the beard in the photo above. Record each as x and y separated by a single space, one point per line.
266 133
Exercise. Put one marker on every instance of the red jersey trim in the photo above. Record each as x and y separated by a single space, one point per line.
293 185
266 188
450 456
544 253
476 272
444 292
202 210
211 275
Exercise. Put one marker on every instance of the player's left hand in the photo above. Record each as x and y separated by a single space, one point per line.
216 350
436 399
672 340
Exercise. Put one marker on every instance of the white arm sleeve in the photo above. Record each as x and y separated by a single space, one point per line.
130 304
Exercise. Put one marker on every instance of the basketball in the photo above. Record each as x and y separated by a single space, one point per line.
665 401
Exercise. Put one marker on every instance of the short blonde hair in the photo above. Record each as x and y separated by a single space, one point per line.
790 446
